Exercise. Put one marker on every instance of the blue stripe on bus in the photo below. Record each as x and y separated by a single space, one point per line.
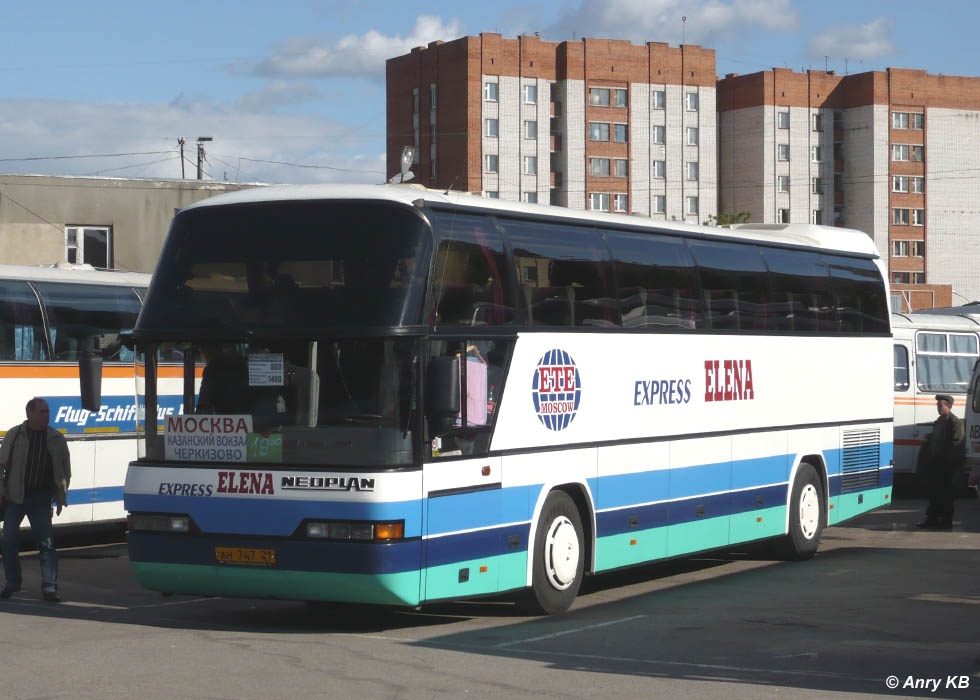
476 545
291 555
265 516
100 494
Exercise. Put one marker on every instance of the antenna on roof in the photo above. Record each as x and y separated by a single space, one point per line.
455 180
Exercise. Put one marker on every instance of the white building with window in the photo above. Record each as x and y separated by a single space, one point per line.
105 222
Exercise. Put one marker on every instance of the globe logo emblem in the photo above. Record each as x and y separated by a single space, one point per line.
556 389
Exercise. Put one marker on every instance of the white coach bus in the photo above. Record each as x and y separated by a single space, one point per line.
934 353
411 396
45 315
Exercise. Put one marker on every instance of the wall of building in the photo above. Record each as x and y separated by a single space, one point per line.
35 209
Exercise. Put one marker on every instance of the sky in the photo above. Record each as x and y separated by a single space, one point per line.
108 88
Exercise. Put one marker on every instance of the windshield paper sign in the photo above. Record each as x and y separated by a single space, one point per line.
207 438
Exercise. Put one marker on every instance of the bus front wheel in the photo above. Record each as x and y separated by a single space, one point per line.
807 515
558 557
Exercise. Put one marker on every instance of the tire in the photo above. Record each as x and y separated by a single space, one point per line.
559 559
807 516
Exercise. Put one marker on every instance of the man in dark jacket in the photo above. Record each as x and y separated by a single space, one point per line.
946 445
38 470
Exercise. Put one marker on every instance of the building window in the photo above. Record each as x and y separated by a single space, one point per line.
918 217
900 183
490 92
918 278
530 165
492 194
691 170
620 98
691 101
620 202
918 184
917 121
838 182
492 163
621 167
554 196
901 277
530 129
900 151
900 120
900 249
530 94
415 100
918 153
598 131
900 216
659 169
659 134
816 185
658 99
782 216
433 167
816 154
816 217
432 96
782 151
619 133
691 203
782 120
817 121
531 197
782 183
659 204
691 135
89 244
599 201
918 249
493 128
599 97
599 167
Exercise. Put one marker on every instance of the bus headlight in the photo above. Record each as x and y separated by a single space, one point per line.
145 522
359 532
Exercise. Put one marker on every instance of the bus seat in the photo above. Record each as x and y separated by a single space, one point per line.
550 306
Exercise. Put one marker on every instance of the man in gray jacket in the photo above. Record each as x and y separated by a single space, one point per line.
36 471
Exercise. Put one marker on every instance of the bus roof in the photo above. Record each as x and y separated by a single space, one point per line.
67 272
825 237
945 322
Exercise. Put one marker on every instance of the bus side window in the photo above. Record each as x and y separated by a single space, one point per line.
21 330
463 389
858 295
734 284
901 368
77 311
799 284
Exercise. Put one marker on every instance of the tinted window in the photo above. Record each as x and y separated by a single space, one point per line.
564 275
21 331
901 368
472 285
656 280
800 298
733 284
294 264
859 295
77 311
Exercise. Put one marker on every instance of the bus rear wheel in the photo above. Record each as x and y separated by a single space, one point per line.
558 557
807 516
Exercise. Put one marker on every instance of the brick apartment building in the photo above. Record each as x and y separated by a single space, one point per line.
594 124
894 154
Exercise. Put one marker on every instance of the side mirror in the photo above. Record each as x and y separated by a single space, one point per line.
90 374
441 393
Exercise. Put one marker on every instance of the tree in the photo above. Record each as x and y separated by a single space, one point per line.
728 219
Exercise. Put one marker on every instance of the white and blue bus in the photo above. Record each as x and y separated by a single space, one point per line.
45 315
403 396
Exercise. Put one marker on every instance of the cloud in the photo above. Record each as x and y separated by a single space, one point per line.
278 92
661 20
247 146
351 56
858 41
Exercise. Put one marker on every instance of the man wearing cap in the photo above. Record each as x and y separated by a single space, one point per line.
946 446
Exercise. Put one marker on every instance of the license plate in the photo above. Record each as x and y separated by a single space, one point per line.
245 555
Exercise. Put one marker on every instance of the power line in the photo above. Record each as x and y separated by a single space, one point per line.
88 155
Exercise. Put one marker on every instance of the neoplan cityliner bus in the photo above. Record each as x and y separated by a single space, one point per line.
409 396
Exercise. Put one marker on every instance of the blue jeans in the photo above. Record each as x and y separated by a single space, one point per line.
37 508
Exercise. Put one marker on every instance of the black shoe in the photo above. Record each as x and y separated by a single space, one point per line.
928 524
51 597
7 592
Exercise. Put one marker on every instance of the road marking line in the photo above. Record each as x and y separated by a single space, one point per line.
941 598
564 632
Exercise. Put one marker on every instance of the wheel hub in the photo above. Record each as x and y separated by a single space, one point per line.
809 511
561 553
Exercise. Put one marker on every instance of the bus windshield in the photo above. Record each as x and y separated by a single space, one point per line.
297 265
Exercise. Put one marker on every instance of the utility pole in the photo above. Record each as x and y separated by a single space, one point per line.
200 153
180 142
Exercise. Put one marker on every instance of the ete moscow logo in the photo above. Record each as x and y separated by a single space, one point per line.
556 389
